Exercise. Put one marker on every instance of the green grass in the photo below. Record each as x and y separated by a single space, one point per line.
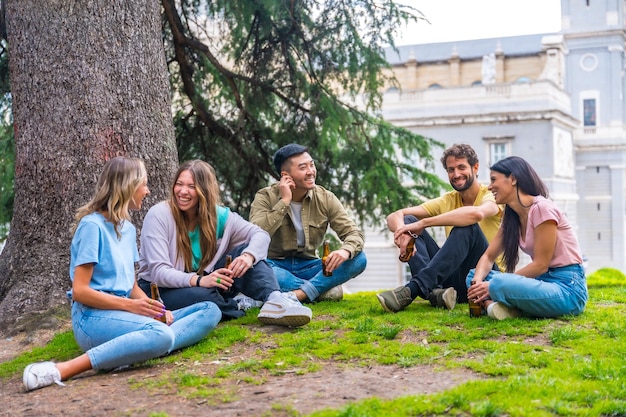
572 366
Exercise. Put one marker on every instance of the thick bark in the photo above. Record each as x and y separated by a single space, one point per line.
89 81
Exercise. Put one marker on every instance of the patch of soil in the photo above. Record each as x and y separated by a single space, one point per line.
116 393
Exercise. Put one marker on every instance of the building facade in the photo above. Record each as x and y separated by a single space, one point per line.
555 99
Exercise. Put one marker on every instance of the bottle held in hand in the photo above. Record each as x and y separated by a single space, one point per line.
325 253
154 292
404 257
475 310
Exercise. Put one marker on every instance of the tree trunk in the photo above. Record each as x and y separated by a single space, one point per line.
89 82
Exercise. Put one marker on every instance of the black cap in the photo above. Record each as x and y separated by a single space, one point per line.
287 152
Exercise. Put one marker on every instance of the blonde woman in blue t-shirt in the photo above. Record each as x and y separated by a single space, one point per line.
114 322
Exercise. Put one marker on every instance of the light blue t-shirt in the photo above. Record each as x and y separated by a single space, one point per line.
96 242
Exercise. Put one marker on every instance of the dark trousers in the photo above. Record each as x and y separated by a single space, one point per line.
257 283
434 267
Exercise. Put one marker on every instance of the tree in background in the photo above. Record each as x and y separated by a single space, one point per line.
7 147
250 76
246 77
88 82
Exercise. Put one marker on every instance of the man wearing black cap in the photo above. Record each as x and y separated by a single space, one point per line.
296 213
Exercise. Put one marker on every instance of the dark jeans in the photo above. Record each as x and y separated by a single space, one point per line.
257 282
434 267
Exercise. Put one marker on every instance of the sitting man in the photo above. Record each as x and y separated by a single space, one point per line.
296 213
471 218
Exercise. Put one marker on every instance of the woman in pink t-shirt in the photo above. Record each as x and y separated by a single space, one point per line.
553 283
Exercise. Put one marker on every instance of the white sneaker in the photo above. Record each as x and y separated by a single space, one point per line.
284 309
499 311
245 303
39 375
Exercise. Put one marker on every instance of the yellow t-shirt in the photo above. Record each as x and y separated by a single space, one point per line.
452 200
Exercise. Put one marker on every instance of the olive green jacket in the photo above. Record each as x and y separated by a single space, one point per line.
320 209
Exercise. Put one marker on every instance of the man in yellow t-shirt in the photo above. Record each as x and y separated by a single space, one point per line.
471 219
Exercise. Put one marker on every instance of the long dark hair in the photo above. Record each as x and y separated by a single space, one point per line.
529 182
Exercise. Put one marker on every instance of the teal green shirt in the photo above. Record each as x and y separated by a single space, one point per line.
194 236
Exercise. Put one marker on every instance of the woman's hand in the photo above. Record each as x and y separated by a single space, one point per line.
478 292
169 317
241 264
146 306
153 308
221 278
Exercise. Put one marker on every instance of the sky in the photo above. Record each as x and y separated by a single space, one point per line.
452 20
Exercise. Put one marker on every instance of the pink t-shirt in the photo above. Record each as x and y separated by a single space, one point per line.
566 251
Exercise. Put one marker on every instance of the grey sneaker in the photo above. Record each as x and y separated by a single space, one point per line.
39 375
245 303
395 300
334 294
284 309
499 311
443 297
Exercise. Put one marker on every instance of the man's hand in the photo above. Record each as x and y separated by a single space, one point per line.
336 258
286 187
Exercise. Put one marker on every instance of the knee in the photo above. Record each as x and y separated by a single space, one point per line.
465 230
409 218
212 314
360 262
470 277
163 339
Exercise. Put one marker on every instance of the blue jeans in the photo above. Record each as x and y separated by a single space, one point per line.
306 274
558 292
112 338
258 282
433 267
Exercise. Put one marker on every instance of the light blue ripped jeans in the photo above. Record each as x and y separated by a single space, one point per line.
560 291
112 338
307 275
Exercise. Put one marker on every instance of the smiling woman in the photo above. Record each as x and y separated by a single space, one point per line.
553 283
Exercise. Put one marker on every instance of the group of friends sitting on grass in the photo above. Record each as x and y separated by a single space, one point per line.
210 264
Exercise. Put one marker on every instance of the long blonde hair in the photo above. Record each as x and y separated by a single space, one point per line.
115 188
208 193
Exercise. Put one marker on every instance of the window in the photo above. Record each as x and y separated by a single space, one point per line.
497 147
589 112
497 151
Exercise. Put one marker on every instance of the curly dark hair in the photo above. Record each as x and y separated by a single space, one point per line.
460 150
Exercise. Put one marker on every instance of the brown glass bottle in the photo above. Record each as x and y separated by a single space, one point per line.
229 259
404 257
154 292
475 310
325 253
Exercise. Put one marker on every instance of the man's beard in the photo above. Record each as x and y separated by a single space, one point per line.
468 183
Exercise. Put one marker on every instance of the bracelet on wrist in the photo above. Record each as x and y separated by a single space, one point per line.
198 280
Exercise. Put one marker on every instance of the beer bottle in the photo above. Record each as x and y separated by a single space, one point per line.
404 257
154 291
475 310
325 253
229 259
